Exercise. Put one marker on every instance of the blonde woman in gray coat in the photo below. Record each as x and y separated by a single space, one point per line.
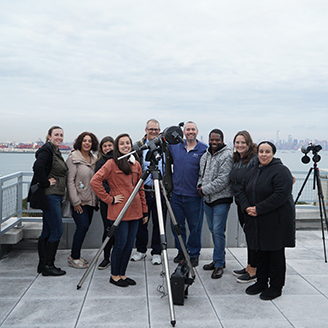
81 168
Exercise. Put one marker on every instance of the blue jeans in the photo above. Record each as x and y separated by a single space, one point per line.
216 219
82 222
190 209
52 227
125 235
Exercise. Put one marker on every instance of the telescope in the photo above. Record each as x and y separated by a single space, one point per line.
315 149
171 135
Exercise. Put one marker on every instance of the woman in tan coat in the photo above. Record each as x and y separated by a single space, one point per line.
81 167
122 177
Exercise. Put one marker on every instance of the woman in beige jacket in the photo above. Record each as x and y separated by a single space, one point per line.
81 167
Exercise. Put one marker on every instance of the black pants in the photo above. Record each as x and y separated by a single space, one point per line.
251 254
142 235
107 224
271 265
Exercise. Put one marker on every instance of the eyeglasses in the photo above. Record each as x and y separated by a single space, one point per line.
153 130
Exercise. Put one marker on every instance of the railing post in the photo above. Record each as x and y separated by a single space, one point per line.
20 199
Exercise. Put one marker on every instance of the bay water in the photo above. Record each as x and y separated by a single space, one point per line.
16 162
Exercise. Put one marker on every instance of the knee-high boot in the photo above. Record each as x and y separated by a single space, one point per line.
42 242
49 268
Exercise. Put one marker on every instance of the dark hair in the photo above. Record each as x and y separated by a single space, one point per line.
252 148
217 131
123 164
274 149
103 140
78 141
50 131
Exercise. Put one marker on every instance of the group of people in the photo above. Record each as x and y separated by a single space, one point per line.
199 179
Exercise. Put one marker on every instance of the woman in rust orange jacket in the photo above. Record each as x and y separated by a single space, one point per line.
122 177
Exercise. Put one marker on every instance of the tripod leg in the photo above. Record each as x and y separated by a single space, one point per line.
322 209
177 231
164 248
304 183
114 227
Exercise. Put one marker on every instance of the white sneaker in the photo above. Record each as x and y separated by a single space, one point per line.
138 256
156 260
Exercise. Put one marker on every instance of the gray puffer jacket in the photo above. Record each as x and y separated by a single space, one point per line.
215 180
79 174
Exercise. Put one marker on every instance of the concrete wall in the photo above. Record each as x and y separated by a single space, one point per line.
235 235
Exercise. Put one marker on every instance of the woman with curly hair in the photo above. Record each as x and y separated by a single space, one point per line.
81 167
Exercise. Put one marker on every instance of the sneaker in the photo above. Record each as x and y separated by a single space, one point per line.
157 259
138 256
238 273
246 278
179 258
104 264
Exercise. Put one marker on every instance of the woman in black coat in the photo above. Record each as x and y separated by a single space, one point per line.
105 153
46 193
266 197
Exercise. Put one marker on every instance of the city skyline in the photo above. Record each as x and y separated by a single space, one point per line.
290 143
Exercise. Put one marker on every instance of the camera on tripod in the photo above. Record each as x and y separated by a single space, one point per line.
315 149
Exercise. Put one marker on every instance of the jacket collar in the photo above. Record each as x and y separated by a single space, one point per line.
77 158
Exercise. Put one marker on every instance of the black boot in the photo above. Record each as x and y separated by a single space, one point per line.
49 268
42 242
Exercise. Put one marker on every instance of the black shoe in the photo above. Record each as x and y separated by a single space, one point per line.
246 278
119 283
194 261
209 267
270 294
179 258
52 271
238 273
104 264
217 273
130 281
255 289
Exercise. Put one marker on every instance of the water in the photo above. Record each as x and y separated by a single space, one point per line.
15 162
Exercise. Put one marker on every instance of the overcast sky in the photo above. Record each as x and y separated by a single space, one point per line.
109 66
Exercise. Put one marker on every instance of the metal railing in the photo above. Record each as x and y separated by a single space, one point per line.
14 208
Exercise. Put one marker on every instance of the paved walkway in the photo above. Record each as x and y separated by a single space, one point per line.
31 300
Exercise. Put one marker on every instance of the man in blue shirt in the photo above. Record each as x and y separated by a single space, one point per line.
186 202
152 131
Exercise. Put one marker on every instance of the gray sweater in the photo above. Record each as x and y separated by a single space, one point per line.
79 175
214 174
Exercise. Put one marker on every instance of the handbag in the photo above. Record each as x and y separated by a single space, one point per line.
37 198
66 209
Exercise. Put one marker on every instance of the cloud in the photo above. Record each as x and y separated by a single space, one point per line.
110 66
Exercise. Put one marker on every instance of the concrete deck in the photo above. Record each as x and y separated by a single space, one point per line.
28 299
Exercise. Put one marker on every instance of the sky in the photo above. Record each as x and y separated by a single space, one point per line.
109 66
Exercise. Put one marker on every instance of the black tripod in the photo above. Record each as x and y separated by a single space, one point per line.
158 186
317 182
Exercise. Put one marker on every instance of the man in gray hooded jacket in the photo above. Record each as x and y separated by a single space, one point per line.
214 185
